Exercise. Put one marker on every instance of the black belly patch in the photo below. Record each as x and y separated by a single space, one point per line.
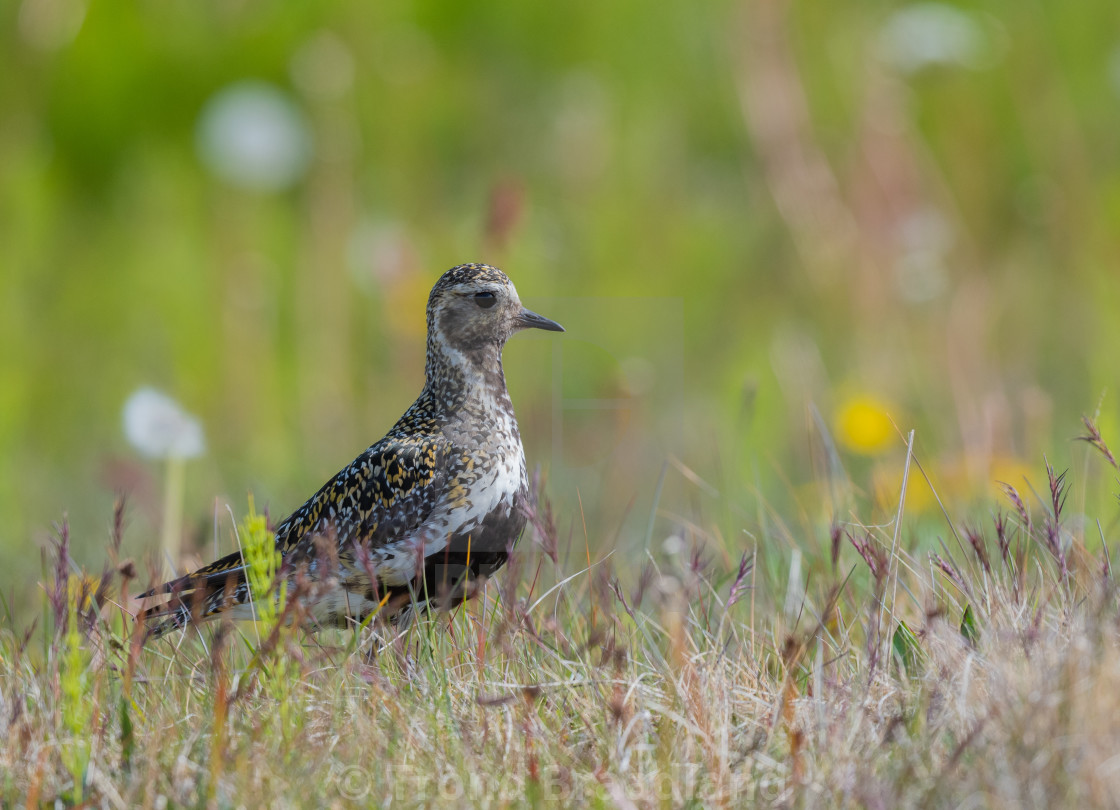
468 556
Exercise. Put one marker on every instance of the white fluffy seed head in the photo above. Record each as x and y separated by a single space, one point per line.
158 427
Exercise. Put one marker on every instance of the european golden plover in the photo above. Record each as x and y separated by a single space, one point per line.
441 498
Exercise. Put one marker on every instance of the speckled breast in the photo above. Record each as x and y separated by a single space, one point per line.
491 490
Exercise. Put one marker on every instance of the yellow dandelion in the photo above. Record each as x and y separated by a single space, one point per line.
84 590
864 426
886 485
1014 471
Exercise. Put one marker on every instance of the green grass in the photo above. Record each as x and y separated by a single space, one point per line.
758 232
602 155
851 670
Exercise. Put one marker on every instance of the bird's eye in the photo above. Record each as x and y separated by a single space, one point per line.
485 299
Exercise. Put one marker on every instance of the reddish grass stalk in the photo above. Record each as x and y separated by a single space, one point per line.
1093 438
739 586
1053 528
977 542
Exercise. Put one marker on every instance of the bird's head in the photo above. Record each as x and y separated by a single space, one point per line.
474 309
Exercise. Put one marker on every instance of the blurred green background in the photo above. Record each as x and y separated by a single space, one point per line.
769 227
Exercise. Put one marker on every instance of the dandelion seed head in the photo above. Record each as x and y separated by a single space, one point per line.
673 544
924 35
158 427
252 135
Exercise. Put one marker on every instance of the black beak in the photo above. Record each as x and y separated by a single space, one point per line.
531 320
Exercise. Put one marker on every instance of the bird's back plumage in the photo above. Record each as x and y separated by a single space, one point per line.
442 495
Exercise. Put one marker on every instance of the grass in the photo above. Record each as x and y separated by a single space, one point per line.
740 211
851 671
735 208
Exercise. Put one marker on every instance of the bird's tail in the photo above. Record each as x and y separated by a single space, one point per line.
198 596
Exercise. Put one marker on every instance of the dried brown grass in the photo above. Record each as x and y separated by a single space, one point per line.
858 680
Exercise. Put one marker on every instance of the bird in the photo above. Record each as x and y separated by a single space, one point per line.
441 499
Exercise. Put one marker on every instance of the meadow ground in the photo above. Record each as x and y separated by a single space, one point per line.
854 668
760 222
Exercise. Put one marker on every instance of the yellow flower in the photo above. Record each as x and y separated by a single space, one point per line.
1010 470
864 426
886 484
84 589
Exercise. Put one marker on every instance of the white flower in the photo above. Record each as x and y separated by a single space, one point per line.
159 428
928 34
253 136
673 544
